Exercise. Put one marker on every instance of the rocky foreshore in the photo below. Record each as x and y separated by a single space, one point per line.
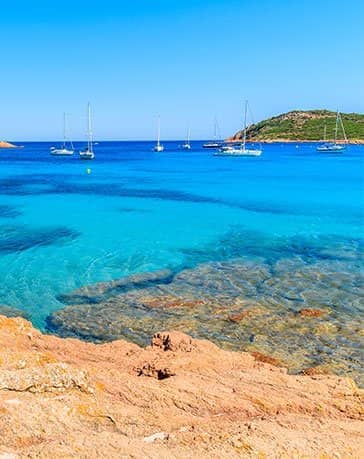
4 144
295 141
176 398
298 310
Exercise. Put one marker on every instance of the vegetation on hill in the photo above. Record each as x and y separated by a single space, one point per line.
308 125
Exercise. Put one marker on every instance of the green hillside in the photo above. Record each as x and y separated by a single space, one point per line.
305 125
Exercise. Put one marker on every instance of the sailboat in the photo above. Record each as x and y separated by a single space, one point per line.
63 151
214 143
241 150
159 147
88 152
187 145
334 147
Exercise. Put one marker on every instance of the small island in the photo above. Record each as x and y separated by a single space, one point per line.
4 144
303 126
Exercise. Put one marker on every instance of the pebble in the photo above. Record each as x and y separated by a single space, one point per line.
154 437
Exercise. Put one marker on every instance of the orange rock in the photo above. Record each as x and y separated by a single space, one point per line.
249 312
169 301
313 371
172 341
267 359
306 312
180 397
4 144
152 371
241 315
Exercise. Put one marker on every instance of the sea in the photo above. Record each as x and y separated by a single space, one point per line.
261 254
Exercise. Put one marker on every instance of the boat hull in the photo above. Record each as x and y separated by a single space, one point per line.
211 145
238 152
86 155
61 152
158 148
331 149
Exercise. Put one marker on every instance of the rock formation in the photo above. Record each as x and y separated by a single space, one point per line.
177 398
297 311
4 144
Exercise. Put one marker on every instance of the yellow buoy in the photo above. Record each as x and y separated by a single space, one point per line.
88 170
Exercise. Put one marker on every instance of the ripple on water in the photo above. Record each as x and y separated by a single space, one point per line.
9 211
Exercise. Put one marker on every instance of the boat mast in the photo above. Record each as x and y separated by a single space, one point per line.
245 114
159 131
325 132
64 130
342 127
336 126
89 143
188 136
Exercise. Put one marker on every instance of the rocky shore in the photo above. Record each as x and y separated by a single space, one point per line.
176 398
293 141
4 144
303 311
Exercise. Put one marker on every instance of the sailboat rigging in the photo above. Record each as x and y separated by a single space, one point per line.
88 152
242 150
158 147
214 144
334 147
64 151
187 144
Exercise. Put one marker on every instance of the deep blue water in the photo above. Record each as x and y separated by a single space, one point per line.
138 211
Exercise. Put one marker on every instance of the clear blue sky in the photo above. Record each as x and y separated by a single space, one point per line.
186 60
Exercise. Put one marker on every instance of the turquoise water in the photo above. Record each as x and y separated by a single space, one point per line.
139 211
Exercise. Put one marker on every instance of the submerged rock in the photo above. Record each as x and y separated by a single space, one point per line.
267 359
306 312
170 301
275 309
103 290
10 311
248 313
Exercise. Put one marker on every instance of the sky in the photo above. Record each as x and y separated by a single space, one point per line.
187 60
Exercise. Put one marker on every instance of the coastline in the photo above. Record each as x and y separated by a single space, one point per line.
272 141
253 313
178 397
5 145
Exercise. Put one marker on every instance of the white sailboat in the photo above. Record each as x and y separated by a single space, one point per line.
88 152
159 147
334 147
63 151
187 144
214 144
229 150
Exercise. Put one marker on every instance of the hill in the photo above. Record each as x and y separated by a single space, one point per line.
303 126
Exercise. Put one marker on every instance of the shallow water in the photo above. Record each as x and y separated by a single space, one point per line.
276 233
